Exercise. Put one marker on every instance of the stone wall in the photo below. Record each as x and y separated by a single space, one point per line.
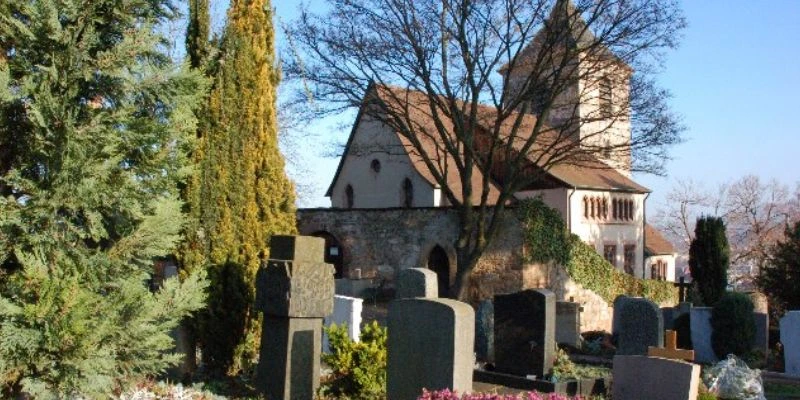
380 242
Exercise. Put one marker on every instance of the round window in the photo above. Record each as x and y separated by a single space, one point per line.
376 165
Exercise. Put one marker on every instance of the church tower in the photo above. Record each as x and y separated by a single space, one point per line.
585 85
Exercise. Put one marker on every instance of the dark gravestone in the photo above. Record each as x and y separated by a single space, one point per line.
429 346
294 294
524 332
615 317
762 333
668 315
640 325
484 331
568 323
417 282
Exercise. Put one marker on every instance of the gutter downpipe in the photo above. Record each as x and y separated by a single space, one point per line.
644 232
569 209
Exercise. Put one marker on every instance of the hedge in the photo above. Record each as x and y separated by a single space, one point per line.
548 241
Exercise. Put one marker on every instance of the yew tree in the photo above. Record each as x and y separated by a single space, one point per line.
482 68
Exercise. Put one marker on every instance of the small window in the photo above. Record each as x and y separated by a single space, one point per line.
349 196
375 165
605 98
585 208
408 193
610 253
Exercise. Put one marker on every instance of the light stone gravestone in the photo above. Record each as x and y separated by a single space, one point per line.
654 378
568 323
429 346
701 335
417 282
484 331
790 338
524 332
347 311
295 290
640 325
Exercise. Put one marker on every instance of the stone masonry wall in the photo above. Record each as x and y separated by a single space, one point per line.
380 242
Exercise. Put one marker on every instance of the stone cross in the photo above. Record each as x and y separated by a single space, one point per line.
294 290
670 349
682 285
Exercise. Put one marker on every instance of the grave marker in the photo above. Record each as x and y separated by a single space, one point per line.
790 338
670 349
524 332
568 323
484 331
429 346
346 310
295 291
700 326
654 378
640 325
417 282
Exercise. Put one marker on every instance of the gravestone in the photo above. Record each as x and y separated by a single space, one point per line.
429 346
762 332
790 338
524 332
417 282
701 335
484 331
346 310
568 323
294 290
654 378
640 325
668 315
615 318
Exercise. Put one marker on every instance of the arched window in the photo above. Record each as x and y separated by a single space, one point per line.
349 196
592 201
375 165
614 209
605 208
585 208
605 97
408 193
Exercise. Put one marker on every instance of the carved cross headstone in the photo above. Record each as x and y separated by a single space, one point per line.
294 289
682 285
670 349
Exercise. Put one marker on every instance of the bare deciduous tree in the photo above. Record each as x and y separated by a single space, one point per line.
755 214
504 85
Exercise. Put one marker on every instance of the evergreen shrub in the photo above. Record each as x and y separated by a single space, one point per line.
734 328
359 368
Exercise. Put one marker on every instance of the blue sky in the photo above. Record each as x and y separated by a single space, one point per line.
735 80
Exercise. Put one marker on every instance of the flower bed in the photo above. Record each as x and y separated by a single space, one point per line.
448 395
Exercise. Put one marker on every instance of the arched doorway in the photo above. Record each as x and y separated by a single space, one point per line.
333 252
439 263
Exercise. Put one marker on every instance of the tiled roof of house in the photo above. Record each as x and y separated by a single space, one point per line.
582 170
655 243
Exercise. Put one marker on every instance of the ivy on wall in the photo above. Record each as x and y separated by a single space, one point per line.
547 240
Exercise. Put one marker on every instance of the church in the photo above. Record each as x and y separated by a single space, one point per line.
388 210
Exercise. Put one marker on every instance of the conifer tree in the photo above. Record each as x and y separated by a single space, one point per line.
197 32
709 258
101 122
241 195
779 279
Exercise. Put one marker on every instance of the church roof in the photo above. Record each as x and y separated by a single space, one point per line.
655 243
582 172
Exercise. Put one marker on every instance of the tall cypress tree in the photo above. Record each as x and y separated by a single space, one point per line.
241 193
197 32
709 258
101 122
